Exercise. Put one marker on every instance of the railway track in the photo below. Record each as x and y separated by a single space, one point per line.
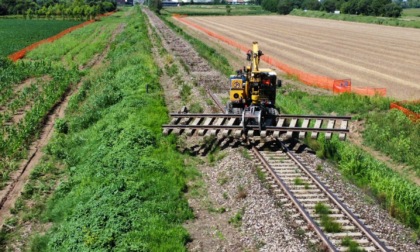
230 124
298 187
311 203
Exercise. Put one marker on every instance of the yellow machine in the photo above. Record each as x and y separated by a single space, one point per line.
251 110
253 92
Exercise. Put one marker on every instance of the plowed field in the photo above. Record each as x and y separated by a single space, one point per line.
370 55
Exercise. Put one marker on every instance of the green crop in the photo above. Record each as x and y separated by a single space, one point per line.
16 34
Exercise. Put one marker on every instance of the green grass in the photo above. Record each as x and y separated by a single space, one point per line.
120 182
402 22
351 244
70 52
327 222
300 102
396 135
215 10
16 34
411 13
236 220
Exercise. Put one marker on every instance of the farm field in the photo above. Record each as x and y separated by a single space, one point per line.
370 55
16 34
203 10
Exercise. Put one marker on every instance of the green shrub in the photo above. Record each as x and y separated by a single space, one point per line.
395 135
61 126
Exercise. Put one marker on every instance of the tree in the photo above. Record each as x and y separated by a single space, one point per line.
350 7
228 9
328 5
376 6
364 7
284 7
311 5
270 5
391 10
3 9
156 5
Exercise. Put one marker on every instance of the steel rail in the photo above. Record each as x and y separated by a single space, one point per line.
216 100
253 127
372 237
295 201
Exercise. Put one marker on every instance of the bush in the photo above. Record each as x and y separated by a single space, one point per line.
284 7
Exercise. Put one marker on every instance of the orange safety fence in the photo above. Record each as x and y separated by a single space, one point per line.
342 86
369 91
21 53
410 114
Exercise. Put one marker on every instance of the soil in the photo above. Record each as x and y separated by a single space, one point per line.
370 55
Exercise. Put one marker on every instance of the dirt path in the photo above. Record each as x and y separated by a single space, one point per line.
12 191
371 55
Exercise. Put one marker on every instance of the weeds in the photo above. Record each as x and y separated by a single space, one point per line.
352 245
196 108
236 220
327 222
242 193
185 92
261 175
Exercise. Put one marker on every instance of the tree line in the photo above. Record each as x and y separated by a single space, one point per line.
65 9
384 8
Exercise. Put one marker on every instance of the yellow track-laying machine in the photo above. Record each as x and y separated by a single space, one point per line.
251 110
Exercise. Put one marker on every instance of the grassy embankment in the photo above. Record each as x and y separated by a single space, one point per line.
388 131
215 10
17 33
410 18
109 180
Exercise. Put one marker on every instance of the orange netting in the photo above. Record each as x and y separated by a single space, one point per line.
337 86
20 54
342 86
369 91
410 114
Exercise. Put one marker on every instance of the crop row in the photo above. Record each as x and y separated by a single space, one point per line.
15 138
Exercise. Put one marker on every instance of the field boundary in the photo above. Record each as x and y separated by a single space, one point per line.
325 82
21 53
